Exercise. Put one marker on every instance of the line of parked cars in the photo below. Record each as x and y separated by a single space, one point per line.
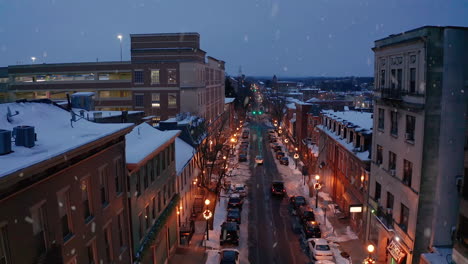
244 146
318 247
230 228
279 154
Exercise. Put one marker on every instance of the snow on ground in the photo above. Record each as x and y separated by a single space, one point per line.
239 175
294 183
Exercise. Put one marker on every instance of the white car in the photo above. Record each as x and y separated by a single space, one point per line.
229 256
259 160
319 249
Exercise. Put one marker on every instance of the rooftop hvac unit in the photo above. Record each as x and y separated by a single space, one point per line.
5 141
24 136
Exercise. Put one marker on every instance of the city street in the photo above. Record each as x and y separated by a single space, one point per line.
271 238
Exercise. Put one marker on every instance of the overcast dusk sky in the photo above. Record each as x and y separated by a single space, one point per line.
265 37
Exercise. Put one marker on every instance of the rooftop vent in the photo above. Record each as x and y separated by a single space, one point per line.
5 141
24 136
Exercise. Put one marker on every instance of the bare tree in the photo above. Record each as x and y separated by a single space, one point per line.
211 155
277 107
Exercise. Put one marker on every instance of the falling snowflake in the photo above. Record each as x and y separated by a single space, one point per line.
285 68
277 34
274 10
427 232
246 38
21 174
93 227
60 204
72 251
73 208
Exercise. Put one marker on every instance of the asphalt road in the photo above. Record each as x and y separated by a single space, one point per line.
271 236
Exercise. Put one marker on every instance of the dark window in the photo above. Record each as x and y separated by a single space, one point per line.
141 230
64 213
392 162
107 243
378 191
390 200
120 227
379 158
138 77
103 186
381 118
407 172
399 78
393 79
138 183
151 170
172 76
382 78
159 202
410 127
404 217
153 209
4 250
173 152
412 81
139 100
85 195
147 216
351 136
144 173
91 256
172 100
394 123
164 159
158 165
118 176
165 194
38 215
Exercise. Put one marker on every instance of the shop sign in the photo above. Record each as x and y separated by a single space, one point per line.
396 251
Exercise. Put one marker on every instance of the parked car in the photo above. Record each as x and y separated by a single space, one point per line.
242 157
319 249
239 189
306 214
277 147
277 188
273 145
284 161
229 233
271 131
312 230
297 201
259 160
229 256
273 140
245 135
279 155
235 202
234 215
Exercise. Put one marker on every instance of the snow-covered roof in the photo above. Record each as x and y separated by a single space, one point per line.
104 113
313 99
184 153
144 140
228 100
261 82
182 119
55 136
361 119
291 106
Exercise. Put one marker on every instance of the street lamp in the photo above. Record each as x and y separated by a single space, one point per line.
317 187
296 157
207 215
369 259
120 38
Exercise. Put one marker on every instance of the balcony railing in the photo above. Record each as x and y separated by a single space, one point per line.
385 218
391 93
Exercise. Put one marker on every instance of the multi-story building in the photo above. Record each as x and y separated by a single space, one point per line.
153 200
418 141
186 174
62 192
167 74
343 152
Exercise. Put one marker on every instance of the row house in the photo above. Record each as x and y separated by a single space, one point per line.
186 173
167 74
62 188
153 199
418 143
343 152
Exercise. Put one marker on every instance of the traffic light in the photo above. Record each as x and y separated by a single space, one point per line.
254 112
260 112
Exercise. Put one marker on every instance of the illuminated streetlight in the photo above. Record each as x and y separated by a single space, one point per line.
369 259
317 187
370 248
120 37
207 202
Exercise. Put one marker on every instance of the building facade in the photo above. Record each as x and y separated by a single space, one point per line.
418 139
165 75
343 152
63 198
153 202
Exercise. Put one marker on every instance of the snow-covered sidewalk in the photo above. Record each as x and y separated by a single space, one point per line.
294 184
239 175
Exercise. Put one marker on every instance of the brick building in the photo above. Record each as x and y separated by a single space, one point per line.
63 196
